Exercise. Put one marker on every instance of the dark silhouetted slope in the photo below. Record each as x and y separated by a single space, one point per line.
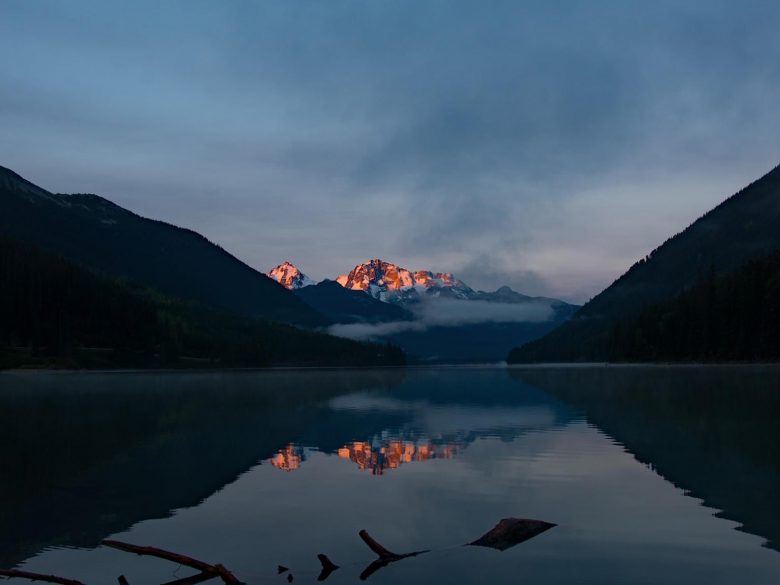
744 227
342 305
735 317
101 235
54 312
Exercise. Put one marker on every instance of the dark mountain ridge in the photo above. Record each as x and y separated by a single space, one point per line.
342 305
101 235
742 228
733 317
57 313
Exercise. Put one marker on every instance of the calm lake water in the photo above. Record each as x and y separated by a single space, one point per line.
652 475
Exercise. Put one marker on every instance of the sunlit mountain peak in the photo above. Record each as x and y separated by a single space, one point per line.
288 275
384 279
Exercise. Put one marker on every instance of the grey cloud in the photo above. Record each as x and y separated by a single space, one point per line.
444 134
493 272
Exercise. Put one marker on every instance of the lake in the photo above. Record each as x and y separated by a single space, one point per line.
651 474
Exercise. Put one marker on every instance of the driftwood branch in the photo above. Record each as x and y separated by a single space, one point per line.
38 577
213 570
385 556
328 567
504 535
381 551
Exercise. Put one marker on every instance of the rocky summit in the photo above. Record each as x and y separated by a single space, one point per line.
288 275
384 280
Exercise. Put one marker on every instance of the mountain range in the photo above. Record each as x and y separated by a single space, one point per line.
191 296
87 283
708 293
392 284
433 316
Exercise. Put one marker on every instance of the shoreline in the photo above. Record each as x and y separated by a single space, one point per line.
500 365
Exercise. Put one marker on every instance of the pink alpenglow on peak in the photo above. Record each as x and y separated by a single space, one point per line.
376 273
383 279
289 276
430 279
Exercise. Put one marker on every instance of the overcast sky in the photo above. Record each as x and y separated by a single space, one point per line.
545 145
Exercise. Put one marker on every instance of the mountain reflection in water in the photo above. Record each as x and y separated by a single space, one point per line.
392 454
712 431
191 462
370 456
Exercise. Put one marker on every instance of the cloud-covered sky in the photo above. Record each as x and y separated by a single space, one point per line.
542 144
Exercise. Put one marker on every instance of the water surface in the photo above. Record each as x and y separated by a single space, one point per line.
651 474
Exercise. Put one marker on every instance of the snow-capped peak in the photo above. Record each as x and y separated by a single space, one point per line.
288 275
384 280
376 273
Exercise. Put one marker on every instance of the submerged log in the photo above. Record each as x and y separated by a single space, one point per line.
382 552
215 570
511 531
38 577
226 575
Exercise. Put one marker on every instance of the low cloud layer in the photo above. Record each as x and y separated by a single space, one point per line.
444 312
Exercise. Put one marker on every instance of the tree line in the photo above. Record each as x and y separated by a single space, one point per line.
732 317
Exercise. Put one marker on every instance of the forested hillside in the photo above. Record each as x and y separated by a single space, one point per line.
98 234
741 229
54 312
735 317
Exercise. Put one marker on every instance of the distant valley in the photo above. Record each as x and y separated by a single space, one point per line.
90 284
434 316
